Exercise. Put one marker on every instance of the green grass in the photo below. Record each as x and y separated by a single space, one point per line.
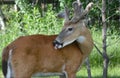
113 72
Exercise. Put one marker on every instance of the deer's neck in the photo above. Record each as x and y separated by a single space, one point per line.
85 42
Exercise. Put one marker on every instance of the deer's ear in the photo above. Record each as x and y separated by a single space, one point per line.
61 15
65 14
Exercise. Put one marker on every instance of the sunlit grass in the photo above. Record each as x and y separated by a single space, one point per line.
96 72
1 74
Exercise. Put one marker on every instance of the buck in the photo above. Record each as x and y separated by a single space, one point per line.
62 54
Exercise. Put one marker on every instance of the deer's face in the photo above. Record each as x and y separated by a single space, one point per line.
69 34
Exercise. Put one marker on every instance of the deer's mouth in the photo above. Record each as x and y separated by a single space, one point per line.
57 44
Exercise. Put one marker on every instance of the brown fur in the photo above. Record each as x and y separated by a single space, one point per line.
36 53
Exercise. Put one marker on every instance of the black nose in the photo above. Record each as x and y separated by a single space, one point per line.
57 43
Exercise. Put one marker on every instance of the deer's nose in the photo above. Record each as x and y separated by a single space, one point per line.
57 44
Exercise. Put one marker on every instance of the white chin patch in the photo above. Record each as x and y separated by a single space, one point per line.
67 43
81 39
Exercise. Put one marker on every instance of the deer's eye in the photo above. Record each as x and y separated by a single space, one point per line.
70 29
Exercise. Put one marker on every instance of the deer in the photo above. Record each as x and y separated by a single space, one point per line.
47 55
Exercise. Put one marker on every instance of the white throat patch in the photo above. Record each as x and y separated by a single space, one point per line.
81 39
67 43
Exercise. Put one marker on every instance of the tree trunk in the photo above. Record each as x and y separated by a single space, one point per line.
88 67
2 20
104 36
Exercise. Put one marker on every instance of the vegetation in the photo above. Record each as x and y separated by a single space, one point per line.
30 22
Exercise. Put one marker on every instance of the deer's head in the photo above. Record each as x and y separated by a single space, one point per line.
72 28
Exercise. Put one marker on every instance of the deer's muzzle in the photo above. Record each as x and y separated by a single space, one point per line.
57 44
